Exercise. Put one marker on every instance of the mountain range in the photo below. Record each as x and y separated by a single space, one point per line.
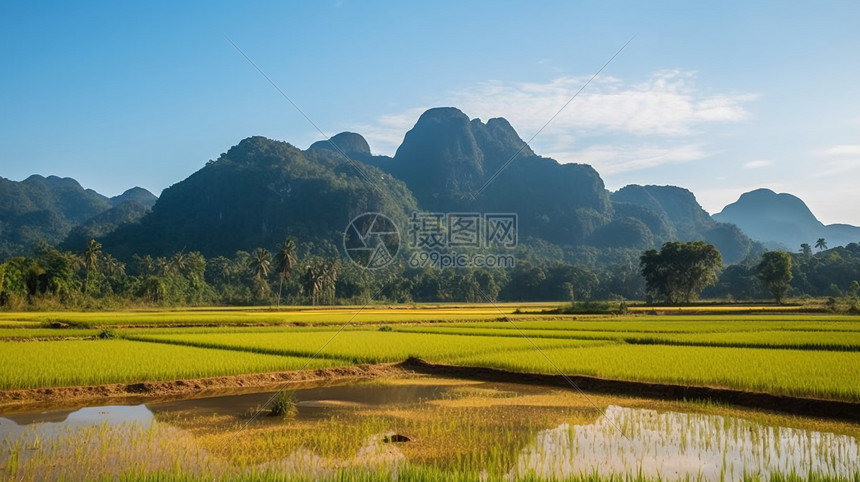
262 190
50 208
783 221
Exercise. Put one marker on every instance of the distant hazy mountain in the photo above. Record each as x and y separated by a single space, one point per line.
47 208
783 220
136 194
262 190
657 214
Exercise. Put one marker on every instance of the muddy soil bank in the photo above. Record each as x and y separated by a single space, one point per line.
142 392
814 407
14 400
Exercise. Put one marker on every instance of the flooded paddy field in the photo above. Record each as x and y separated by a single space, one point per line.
429 393
424 427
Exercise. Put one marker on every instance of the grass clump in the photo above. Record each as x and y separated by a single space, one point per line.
284 405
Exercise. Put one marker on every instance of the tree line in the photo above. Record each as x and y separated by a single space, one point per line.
290 274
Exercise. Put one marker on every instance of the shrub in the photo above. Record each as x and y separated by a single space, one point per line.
284 405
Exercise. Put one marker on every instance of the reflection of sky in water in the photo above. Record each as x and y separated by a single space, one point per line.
36 428
666 445
679 445
53 422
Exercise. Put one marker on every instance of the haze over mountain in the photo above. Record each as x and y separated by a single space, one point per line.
672 213
48 208
263 190
783 221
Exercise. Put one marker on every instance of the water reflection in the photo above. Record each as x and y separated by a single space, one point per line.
112 440
53 422
673 445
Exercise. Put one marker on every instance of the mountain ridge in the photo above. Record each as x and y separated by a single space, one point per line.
783 221
41 208
262 190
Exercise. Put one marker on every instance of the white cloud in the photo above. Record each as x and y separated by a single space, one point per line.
844 150
757 164
386 134
666 107
612 159
837 168
837 160
667 104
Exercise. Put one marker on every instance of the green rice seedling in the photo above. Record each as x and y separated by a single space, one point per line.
362 346
94 362
828 374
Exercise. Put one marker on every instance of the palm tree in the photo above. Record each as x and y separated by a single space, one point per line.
313 281
195 267
329 274
821 244
285 261
178 263
221 269
113 267
259 264
145 265
92 256
161 266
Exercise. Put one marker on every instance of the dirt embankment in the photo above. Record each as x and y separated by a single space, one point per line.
814 407
147 391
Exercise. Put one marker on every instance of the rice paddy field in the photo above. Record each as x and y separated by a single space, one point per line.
759 349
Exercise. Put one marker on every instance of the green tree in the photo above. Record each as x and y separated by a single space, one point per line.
2 279
853 288
177 264
320 280
680 270
285 262
92 257
774 271
313 281
259 264
821 244
805 249
330 273
61 270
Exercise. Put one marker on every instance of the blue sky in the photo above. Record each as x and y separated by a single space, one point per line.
720 98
